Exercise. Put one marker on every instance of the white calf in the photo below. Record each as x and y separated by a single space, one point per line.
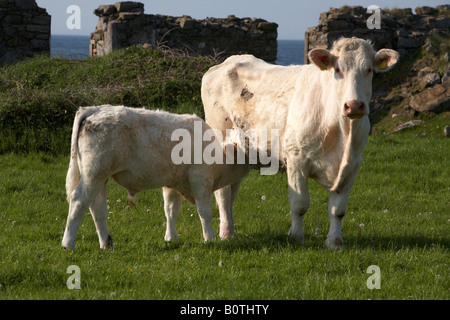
134 147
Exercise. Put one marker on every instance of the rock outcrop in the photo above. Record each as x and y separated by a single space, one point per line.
125 24
400 29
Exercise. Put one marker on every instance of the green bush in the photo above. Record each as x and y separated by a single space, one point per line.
39 96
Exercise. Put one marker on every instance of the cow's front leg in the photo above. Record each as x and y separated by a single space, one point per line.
337 204
299 201
204 207
337 207
172 209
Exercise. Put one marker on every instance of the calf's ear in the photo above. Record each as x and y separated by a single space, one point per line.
385 60
322 58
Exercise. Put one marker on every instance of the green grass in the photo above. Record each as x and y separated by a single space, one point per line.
397 218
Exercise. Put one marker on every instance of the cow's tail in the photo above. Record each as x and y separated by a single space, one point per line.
72 177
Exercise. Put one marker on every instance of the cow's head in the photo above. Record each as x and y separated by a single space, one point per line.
353 62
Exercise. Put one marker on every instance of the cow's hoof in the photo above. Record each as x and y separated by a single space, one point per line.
226 233
171 238
336 244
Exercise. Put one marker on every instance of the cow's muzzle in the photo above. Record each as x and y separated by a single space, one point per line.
355 109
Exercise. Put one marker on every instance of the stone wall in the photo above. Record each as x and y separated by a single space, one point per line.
124 24
400 28
24 30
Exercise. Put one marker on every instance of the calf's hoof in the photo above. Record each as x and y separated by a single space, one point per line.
109 243
297 236
336 244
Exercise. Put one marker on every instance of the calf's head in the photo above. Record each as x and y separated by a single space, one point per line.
351 63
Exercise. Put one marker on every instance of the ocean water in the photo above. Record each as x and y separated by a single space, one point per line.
77 47
290 52
71 47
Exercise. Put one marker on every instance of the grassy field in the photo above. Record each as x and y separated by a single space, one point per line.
398 218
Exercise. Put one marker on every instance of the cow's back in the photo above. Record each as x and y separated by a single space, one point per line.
247 93
137 141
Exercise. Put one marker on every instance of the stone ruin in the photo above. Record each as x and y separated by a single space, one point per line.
401 30
25 30
125 24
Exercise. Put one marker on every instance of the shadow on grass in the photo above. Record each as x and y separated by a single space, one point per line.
275 241
395 242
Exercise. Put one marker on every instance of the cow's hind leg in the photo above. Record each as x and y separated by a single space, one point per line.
299 201
172 208
225 198
80 199
99 210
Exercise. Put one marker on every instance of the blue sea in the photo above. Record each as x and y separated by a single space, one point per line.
77 47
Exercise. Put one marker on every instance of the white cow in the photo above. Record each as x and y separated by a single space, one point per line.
136 147
320 111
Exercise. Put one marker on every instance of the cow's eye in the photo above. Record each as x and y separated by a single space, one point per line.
369 70
338 71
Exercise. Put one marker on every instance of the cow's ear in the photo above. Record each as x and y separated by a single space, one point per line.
385 60
322 58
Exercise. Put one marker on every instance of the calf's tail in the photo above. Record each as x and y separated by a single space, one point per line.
72 177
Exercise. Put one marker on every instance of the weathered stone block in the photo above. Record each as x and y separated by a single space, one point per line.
443 23
13 19
26 4
128 15
129 6
267 26
337 25
429 80
187 23
425 10
408 43
9 31
38 28
105 10
41 20
435 99
39 44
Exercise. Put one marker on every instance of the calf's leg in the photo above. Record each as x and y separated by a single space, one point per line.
99 210
299 201
80 199
204 208
172 209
